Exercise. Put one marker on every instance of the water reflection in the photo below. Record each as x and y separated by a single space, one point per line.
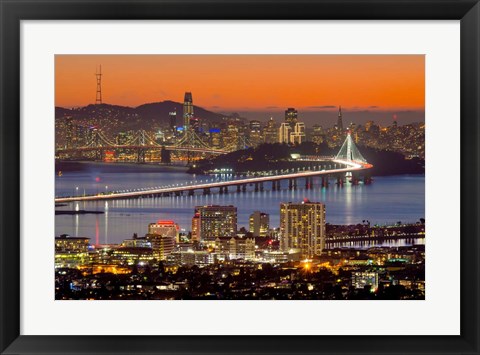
388 199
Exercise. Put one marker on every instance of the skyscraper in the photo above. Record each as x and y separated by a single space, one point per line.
339 119
173 120
302 226
298 134
187 110
215 221
270 132
284 133
165 228
291 117
259 224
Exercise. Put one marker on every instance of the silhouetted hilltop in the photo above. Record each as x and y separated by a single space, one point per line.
121 118
278 156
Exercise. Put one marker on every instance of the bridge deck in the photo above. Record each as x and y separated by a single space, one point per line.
351 166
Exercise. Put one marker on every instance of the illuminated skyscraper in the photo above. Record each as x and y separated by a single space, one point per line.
187 110
298 134
291 117
259 224
173 120
302 226
339 119
270 132
165 228
284 133
215 221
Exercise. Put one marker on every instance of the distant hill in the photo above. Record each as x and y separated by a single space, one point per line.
156 110
148 116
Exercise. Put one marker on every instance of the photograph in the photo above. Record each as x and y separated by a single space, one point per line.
239 177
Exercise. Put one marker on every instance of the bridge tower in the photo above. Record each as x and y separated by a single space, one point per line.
98 99
349 151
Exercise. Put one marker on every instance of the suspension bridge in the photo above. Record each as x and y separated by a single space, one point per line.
142 141
348 160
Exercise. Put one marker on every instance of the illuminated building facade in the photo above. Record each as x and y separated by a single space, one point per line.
71 252
318 135
339 119
362 279
162 246
298 134
173 121
216 221
270 132
196 227
302 226
241 248
187 110
165 228
284 133
291 117
259 224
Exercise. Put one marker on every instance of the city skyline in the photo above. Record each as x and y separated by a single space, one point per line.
178 200
252 85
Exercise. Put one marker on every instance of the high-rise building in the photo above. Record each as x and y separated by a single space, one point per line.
339 119
254 133
302 226
291 117
165 228
173 120
216 221
259 224
162 245
318 135
270 132
298 134
187 110
284 133
255 125
196 227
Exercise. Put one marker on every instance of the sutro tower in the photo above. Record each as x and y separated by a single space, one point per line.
98 99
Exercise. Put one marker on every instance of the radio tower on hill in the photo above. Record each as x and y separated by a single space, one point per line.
98 99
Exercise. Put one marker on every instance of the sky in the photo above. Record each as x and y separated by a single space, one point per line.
378 87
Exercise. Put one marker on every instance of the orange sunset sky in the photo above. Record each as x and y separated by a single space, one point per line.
246 82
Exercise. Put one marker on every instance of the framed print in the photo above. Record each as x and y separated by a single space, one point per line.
237 177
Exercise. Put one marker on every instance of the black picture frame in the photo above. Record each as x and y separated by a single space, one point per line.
14 11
